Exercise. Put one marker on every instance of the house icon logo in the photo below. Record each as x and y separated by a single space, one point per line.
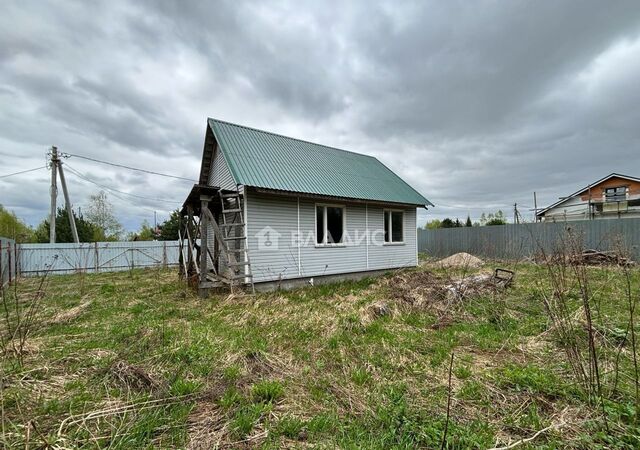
268 238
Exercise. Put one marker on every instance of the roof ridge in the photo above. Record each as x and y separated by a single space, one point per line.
289 137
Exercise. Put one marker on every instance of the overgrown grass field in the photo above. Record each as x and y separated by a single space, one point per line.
137 360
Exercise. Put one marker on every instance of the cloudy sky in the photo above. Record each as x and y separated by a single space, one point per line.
476 104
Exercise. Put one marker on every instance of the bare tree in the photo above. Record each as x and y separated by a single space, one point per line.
100 213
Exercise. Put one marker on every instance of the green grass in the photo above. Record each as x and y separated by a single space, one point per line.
145 363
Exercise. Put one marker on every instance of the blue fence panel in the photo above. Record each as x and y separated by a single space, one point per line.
527 240
37 259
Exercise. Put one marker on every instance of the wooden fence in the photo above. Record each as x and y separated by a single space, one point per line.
526 240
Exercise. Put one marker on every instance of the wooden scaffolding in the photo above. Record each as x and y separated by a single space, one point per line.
213 241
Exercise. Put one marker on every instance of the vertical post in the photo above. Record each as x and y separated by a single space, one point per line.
164 254
67 202
535 207
54 194
9 261
180 244
204 222
96 257
188 234
16 256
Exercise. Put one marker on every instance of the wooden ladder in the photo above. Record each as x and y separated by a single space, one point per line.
234 236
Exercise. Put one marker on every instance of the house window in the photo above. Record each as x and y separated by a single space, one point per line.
330 224
615 194
393 226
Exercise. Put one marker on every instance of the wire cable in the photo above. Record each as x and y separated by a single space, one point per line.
22 171
84 177
129 167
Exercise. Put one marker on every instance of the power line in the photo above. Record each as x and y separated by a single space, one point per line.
22 171
84 177
129 167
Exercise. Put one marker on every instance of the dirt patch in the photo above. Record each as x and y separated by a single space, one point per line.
374 311
70 314
460 260
133 377
207 422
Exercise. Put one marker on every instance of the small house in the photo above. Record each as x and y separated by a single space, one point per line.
612 197
271 211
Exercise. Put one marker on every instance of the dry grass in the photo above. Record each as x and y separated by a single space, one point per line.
136 360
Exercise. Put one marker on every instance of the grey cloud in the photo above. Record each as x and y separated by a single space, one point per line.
476 104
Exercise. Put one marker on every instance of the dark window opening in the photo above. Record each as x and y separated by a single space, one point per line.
396 226
393 226
319 224
329 224
387 226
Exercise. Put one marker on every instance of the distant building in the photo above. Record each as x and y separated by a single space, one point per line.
614 196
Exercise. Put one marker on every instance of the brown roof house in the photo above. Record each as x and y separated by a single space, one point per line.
612 197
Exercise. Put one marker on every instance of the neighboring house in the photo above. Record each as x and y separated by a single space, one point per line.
614 196
280 211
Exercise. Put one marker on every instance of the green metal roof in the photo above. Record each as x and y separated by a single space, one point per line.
271 161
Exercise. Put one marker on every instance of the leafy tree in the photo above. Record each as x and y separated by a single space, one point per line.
468 222
169 228
433 224
497 219
146 233
86 230
493 219
100 213
448 223
13 228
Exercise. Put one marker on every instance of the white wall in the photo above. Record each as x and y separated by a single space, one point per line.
286 215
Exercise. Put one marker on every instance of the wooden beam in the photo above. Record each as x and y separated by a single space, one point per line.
204 221
218 235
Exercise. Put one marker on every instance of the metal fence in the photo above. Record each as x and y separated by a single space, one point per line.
7 261
37 259
526 240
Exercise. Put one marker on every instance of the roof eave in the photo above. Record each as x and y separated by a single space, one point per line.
286 193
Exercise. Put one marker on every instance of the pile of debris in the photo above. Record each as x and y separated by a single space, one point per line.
426 290
475 285
597 258
460 260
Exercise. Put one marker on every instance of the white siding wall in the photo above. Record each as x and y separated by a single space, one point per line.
287 261
219 175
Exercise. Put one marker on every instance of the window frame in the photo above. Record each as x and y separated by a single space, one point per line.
324 224
614 197
390 231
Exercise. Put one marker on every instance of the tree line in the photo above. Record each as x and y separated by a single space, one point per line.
490 219
97 224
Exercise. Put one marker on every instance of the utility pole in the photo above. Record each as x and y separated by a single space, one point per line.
54 194
56 166
72 221
516 219
535 206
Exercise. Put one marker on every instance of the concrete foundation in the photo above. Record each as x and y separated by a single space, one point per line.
293 283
